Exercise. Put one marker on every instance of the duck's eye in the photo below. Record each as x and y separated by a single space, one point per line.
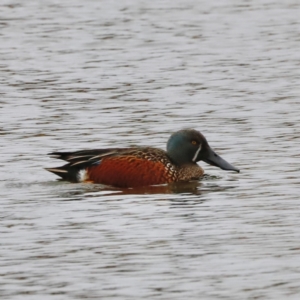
194 142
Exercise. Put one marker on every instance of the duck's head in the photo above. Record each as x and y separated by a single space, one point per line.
189 146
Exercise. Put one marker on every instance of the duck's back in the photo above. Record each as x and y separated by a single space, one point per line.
128 167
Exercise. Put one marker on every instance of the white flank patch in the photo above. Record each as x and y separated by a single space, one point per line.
197 152
82 175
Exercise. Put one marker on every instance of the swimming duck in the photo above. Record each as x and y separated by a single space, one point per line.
142 166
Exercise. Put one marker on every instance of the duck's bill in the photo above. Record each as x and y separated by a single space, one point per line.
214 159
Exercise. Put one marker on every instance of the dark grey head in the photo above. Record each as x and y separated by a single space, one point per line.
189 146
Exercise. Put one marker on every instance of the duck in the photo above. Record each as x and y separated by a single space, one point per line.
142 166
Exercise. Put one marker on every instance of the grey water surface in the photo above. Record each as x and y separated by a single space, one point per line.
93 74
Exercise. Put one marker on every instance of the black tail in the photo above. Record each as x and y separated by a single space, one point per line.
79 160
66 172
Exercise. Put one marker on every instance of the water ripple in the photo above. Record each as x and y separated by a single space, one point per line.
103 74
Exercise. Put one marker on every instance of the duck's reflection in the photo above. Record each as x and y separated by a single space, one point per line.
196 187
191 187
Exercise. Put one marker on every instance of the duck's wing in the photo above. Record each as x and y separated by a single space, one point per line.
80 160
87 157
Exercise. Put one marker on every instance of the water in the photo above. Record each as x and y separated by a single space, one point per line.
92 74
